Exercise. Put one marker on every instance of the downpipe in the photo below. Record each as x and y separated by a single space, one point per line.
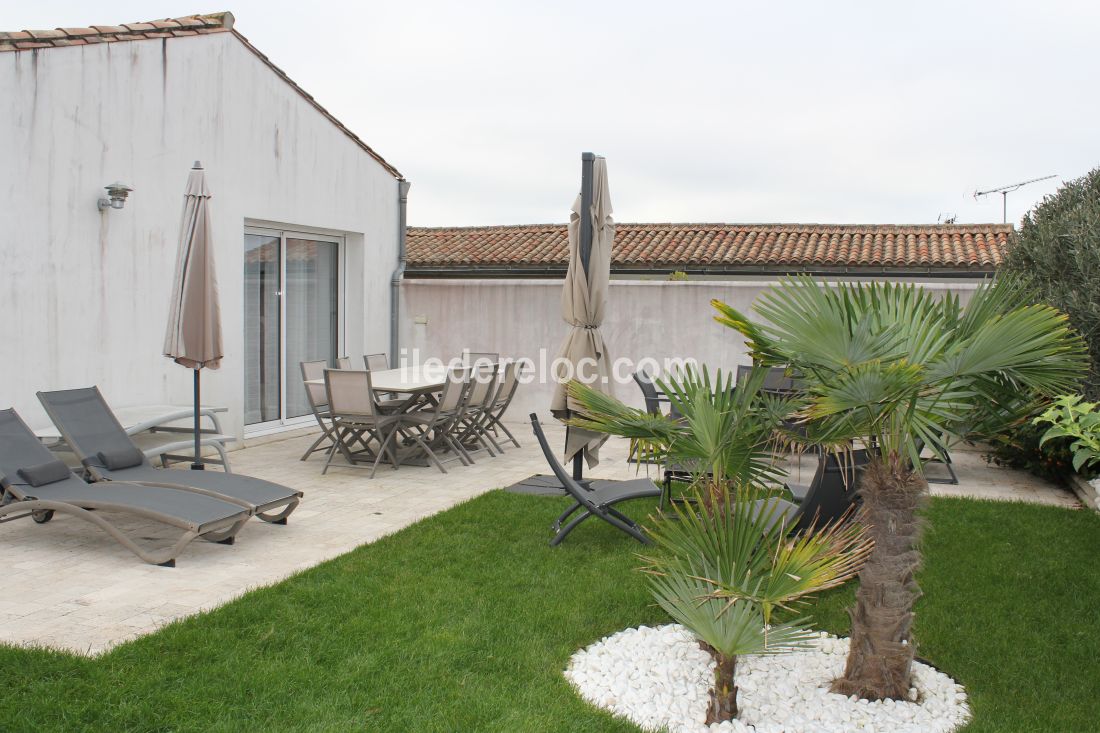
399 273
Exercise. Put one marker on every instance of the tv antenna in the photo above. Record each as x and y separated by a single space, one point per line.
1005 190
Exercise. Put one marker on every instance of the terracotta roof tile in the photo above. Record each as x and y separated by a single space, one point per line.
211 23
47 35
190 25
721 247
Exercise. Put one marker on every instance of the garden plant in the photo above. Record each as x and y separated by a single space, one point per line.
1078 422
726 567
901 369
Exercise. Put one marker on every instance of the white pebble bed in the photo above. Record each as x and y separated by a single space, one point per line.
660 679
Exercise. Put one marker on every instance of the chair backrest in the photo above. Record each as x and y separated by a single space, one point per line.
86 422
480 358
315 392
19 448
777 380
344 362
572 487
483 384
376 362
649 392
454 389
509 382
350 393
833 488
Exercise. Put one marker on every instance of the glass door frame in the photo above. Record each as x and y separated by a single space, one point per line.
283 234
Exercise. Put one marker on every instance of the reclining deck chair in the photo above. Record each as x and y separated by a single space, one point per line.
34 483
599 501
108 454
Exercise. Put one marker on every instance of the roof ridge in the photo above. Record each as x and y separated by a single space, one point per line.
730 225
75 36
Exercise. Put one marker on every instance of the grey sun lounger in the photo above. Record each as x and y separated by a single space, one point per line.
34 483
95 435
597 502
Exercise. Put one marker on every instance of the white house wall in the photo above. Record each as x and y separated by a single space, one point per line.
86 293
644 319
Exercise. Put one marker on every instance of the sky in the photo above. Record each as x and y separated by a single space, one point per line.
794 112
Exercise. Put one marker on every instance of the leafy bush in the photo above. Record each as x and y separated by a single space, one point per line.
1079 423
1018 447
1058 252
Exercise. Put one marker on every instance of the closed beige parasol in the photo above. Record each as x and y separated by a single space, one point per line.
583 301
194 335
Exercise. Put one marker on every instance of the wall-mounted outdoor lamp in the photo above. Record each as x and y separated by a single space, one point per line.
116 196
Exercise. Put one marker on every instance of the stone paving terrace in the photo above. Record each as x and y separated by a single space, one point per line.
67 585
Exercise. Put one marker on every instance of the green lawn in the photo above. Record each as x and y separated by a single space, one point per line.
463 622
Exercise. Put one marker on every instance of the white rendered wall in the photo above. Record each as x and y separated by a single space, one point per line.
657 319
85 295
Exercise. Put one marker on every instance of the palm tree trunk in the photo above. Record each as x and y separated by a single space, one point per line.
723 696
881 655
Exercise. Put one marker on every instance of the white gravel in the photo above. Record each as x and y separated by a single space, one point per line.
659 678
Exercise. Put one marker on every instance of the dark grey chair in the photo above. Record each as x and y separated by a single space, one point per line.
777 381
96 437
598 501
33 483
952 477
833 490
654 398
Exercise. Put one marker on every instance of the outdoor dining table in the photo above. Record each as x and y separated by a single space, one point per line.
416 381
421 383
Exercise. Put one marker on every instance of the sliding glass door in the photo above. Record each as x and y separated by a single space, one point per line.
291 315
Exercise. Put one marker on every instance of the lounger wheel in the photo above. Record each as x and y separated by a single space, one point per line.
43 516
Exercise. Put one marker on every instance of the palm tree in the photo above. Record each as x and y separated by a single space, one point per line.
727 569
730 573
722 436
900 368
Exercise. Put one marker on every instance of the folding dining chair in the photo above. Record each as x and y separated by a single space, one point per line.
509 383
356 420
318 402
485 381
432 426
376 362
480 358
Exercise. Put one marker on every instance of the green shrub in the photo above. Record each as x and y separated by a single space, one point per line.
1078 422
1019 447
1058 251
